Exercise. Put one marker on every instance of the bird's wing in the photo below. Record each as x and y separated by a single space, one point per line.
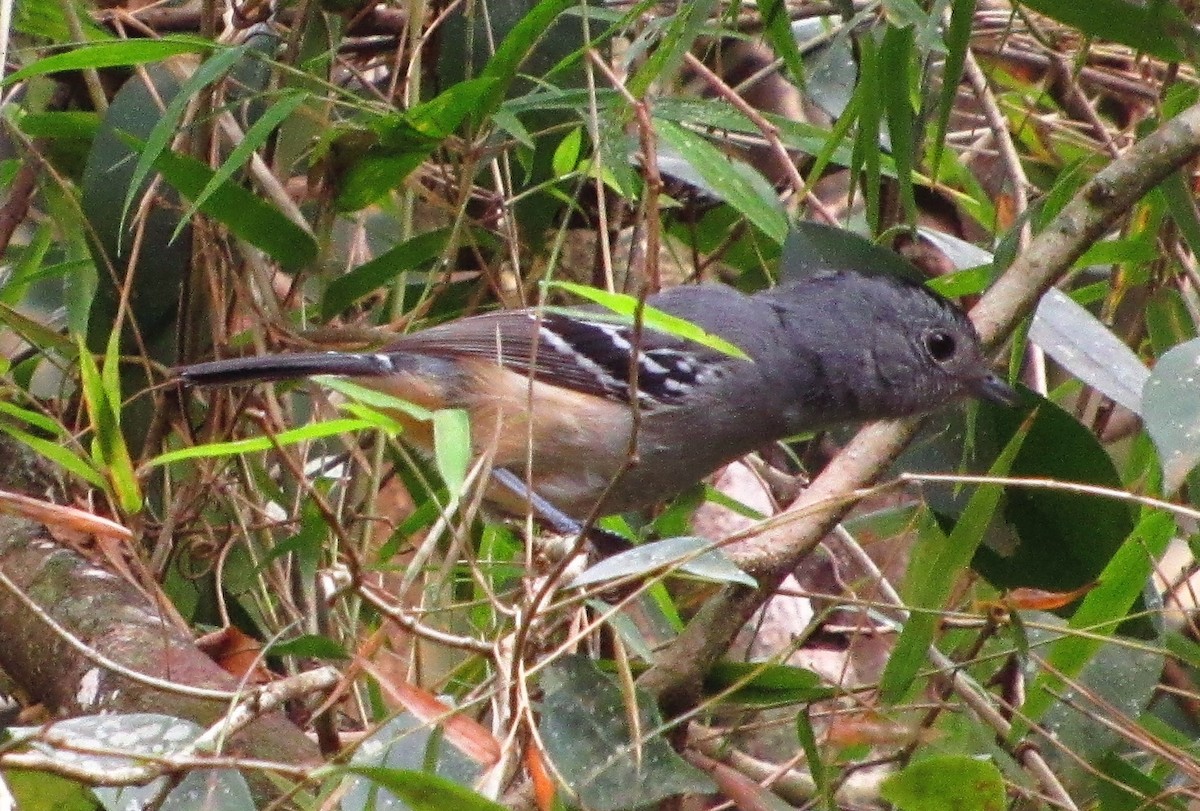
580 351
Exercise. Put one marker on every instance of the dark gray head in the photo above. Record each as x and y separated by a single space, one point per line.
879 346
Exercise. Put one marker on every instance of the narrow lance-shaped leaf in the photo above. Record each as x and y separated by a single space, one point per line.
936 582
168 124
652 318
254 138
112 54
734 182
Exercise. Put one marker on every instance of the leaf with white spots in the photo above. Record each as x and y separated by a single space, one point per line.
1171 409
109 745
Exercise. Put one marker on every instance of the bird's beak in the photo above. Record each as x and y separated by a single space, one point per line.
991 387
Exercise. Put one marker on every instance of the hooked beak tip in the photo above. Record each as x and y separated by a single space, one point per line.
994 389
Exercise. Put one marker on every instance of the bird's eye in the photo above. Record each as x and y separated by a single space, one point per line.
941 345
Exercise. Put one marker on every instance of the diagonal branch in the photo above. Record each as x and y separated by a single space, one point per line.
677 674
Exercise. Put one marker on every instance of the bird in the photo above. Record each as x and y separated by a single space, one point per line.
558 399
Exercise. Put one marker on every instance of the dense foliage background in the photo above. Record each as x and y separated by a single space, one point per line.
275 604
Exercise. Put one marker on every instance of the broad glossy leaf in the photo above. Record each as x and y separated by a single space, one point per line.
813 247
402 744
146 734
947 783
1056 540
584 724
1088 350
1171 409
157 278
654 557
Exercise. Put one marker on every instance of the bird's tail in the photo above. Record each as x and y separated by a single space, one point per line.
263 368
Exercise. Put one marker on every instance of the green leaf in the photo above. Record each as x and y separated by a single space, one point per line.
777 25
867 151
895 60
1183 209
374 398
958 36
1059 540
684 555
935 582
404 141
1160 29
37 333
813 247
734 182
382 270
817 765
585 725
947 783
311 646
687 24
566 154
113 54
118 462
59 455
1172 412
1168 320
423 791
167 127
652 318
765 684
306 433
452 446
34 418
46 791
378 419
516 46
1120 585
109 452
76 125
254 138
244 213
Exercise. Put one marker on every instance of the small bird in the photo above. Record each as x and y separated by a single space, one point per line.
559 391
